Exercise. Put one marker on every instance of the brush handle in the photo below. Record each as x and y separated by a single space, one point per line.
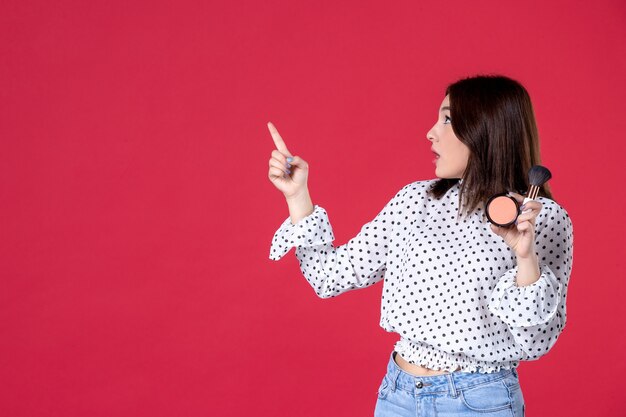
526 200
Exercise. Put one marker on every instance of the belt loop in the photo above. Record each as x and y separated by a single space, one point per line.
396 372
453 390
394 379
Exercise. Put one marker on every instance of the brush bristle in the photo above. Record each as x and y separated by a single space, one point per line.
538 175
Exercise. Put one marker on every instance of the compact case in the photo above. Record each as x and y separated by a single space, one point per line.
502 209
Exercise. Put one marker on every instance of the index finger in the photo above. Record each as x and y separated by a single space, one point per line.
278 141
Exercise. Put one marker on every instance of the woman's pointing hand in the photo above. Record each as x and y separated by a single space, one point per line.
288 173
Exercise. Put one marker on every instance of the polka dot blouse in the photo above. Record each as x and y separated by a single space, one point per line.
449 286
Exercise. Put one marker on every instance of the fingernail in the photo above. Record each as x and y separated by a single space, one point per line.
289 159
523 207
288 171
288 165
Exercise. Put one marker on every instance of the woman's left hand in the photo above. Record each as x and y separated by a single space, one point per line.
521 236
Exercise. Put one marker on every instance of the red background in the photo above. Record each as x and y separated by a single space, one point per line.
137 215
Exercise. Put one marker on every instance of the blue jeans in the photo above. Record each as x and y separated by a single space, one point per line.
454 394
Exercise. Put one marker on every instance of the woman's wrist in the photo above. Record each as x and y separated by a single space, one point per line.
528 270
300 206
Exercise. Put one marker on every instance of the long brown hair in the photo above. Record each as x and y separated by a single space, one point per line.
494 117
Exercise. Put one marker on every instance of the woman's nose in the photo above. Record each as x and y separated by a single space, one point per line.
429 135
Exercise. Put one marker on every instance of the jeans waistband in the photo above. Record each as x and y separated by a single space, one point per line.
450 383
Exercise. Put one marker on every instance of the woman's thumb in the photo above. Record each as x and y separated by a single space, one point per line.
295 160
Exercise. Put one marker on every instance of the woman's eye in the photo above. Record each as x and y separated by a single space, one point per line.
446 120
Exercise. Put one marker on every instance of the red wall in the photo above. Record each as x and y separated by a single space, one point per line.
136 214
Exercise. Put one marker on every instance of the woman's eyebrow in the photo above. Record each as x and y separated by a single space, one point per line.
445 108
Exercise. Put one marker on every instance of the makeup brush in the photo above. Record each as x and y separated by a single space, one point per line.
537 176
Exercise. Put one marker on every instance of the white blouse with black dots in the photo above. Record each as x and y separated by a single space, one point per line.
449 284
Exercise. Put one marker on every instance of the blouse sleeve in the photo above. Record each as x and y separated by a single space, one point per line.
536 313
334 270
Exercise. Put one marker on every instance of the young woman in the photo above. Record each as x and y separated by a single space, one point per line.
469 300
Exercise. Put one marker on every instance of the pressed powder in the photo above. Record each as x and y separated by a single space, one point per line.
502 209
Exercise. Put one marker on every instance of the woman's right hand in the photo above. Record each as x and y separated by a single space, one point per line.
290 177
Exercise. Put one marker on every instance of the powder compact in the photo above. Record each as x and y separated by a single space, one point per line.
502 209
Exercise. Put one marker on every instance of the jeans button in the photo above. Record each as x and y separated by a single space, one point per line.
419 384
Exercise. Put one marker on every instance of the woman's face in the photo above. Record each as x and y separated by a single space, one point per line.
452 154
